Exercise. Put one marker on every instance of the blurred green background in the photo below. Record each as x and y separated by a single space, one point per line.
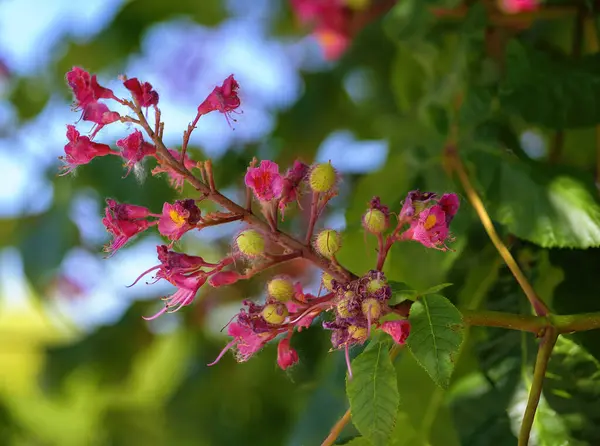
79 365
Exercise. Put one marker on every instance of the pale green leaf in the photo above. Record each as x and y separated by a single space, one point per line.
373 394
551 208
436 336
434 289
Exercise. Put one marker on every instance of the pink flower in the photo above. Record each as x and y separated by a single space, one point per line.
183 271
86 88
247 342
81 150
223 99
144 94
415 202
286 356
187 289
333 43
178 218
224 278
134 149
99 114
518 6
87 92
265 181
331 21
291 184
398 330
124 221
175 267
450 204
175 178
430 229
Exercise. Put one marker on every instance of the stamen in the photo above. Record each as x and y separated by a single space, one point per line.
225 350
142 275
347 353
309 310
162 311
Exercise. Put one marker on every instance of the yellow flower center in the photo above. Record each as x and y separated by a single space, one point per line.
429 222
177 218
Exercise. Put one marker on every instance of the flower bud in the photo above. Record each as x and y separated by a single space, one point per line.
398 330
375 221
326 281
322 177
275 313
342 308
375 285
328 242
281 289
223 278
371 308
250 243
358 333
286 355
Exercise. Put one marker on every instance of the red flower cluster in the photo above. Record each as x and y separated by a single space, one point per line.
88 93
330 21
356 304
518 6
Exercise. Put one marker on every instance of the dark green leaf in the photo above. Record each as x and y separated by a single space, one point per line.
408 20
545 206
572 390
401 291
436 336
551 89
30 96
373 394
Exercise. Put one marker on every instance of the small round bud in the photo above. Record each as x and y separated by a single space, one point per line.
375 221
342 309
326 281
371 308
281 289
250 243
375 285
322 177
275 313
328 242
358 333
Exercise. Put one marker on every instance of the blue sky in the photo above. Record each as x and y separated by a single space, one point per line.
267 70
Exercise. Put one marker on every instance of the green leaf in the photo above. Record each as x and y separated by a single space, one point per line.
401 291
424 417
551 89
436 336
373 394
539 203
572 390
29 96
408 21
434 289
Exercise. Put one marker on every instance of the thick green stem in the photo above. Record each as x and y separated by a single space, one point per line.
520 322
546 346
576 322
